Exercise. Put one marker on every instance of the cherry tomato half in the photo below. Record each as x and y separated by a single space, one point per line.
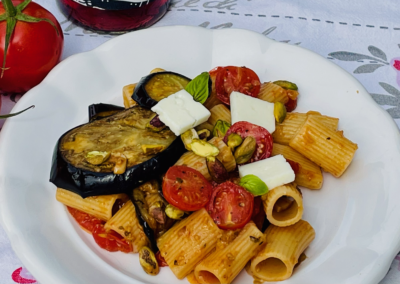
291 105
160 260
110 240
85 220
186 188
240 79
262 136
230 206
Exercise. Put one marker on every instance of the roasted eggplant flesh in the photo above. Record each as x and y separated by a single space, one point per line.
121 135
157 86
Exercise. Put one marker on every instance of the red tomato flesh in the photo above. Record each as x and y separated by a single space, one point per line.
160 260
291 105
230 206
262 136
186 188
110 240
240 79
85 220
295 166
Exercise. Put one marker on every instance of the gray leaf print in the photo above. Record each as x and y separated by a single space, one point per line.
223 26
204 25
390 89
394 112
268 31
367 68
385 99
349 56
377 52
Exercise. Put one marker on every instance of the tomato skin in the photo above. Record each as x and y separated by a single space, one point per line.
34 49
263 138
294 165
230 206
240 79
85 220
110 240
291 105
186 188
160 260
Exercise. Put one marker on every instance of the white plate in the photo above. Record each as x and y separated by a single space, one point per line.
355 217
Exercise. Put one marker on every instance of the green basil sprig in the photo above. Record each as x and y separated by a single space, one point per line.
199 87
254 185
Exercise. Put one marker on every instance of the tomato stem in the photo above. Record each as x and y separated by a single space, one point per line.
9 7
14 114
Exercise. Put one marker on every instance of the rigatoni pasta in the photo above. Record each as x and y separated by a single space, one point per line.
188 242
219 112
326 147
275 262
196 162
98 206
272 93
283 205
223 265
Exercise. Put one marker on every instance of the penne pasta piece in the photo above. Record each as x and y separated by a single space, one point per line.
285 131
272 93
212 100
223 265
225 155
125 223
127 92
188 242
326 147
275 262
309 174
283 205
219 112
194 161
98 206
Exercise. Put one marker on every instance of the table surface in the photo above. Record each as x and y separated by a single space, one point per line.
362 36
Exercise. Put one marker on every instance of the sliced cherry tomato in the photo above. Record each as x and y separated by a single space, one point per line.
85 220
295 166
110 240
230 206
262 136
258 215
291 105
161 261
186 188
240 79
213 76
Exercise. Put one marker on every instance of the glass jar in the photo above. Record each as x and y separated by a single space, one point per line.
115 15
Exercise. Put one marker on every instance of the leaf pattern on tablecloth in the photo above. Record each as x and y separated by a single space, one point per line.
393 99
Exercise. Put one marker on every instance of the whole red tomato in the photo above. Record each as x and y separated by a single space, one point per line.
34 49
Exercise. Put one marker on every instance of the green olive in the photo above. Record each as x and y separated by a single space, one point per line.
148 261
286 85
97 157
187 138
279 112
254 185
234 140
220 128
203 148
246 150
173 212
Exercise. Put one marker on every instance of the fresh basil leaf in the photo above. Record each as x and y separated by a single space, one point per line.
254 185
199 87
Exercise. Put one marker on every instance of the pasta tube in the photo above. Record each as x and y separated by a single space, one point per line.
219 112
223 265
225 154
196 162
275 262
212 100
127 92
283 205
98 206
326 147
188 241
273 93
309 174
125 223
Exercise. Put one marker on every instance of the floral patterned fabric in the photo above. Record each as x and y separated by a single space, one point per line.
363 37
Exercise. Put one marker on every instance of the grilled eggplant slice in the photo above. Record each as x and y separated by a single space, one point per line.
121 135
154 87
99 111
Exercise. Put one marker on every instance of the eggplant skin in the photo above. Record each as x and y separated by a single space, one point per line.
99 111
140 94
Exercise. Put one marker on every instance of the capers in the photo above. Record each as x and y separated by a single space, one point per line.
187 138
148 261
286 85
217 170
203 148
97 157
173 212
204 134
220 128
279 112
246 150
234 140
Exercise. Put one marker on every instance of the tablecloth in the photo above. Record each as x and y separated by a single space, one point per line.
361 36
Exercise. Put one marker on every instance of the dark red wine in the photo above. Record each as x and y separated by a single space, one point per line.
115 15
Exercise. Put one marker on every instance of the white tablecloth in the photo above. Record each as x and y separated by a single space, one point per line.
361 36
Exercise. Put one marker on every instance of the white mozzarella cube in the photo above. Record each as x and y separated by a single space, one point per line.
180 112
274 171
253 110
